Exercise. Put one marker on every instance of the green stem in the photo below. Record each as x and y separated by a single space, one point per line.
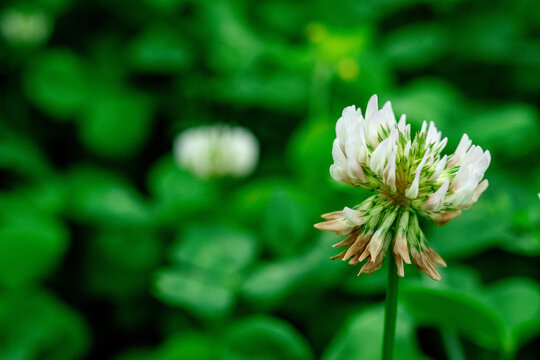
320 92
390 313
452 345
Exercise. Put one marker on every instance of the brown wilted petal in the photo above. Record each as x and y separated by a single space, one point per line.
375 264
399 264
372 265
358 247
348 241
334 215
423 263
401 248
376 244
444 217
339 226
338 256
355 260
436 258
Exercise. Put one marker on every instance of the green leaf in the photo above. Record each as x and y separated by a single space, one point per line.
361 337
282 211
193 346
21 156
49 194
416 45
177 192
55 6
56 83
120 262
283 90
509 130
457 311
187 345
488 38
34 325
116 123
271 283
132 250
232 43
263 337
519 208
31 243
251 199
517 301
366 284
103 198
203 294
285 218
207 275
310 149
483 226
160 50
429 99
335 45
166 6
216 248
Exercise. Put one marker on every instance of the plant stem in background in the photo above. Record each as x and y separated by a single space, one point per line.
452 345
390 313
320 91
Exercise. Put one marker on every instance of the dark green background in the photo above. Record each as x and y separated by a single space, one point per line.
109 250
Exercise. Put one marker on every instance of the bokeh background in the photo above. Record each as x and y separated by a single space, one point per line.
110 250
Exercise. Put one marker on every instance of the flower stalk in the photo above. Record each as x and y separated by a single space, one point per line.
390 313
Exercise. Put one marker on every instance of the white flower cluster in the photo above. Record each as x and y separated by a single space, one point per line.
409 175
217 151
24 27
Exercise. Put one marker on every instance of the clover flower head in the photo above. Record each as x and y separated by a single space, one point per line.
409 176
217 151
25 27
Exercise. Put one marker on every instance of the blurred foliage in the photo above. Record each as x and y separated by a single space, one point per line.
109 250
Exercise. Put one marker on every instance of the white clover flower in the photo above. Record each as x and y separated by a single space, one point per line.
410 177
25 27
217 151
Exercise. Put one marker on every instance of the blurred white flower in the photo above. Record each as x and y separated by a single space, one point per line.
25 27
217 151
409 176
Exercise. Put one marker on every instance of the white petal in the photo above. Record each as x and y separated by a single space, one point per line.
483 163
354 168
439 169
390 171
407 149
412 191
442 144
402 123
390 118
479 190
349 112
353 216
337 173
337 154
424 126
378 157
372 107
436 201
460 179
462 148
